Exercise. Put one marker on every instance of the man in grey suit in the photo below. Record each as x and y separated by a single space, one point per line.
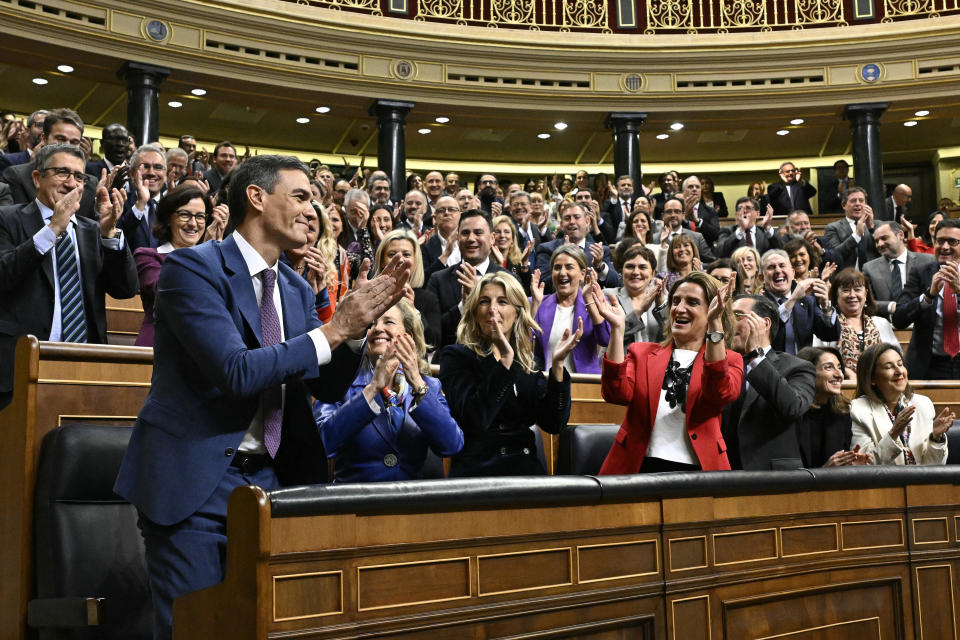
673 209
852 237
760 428
888 273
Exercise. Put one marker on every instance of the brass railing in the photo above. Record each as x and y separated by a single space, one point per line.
648 16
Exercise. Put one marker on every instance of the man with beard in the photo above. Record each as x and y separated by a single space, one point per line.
340 188
115 145
148 177
224 160
573 229
929 303
414 206
760 428
888 273
451 184
487 192
673 226
668 188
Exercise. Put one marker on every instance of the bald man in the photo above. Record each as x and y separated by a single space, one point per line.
898 204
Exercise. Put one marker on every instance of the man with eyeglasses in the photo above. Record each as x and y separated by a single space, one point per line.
33 141
852 237
55 265
792 192
148 177
442 249
673 226
929 303
747 232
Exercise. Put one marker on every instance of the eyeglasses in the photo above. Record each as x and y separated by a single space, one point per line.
951 242
186 216
156 167
63 173
446 211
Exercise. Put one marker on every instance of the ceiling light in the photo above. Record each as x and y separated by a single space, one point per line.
543 136
303 120
676 126
175 104
40 81
442 119
65 68
783 132
797 121
198 92
910 123
921 113
560 126
424 131
663 136
322 109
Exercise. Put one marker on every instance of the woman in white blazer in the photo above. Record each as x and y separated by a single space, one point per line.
891 422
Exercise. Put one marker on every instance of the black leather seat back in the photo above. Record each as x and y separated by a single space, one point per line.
584 447
86 539
953 443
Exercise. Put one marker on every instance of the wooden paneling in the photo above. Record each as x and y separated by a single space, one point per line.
409 583
690 618
936 609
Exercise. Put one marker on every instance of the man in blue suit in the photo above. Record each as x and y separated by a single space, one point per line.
238 344
804 307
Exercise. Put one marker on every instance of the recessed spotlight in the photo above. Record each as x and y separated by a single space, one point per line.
543 136
442 119
560 126
783 132
921 113
322 109
797 121
663 136
198 92
676 126
424 131
303 120
40 81
65 68
910 123
176 104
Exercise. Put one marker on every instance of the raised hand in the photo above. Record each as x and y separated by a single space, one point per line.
828 270
65 207
383 373
367 301
467 277
218 223
568 341
110 207
909 227
525 256
758 330
407 354
718 304
903 420
143 194
497 255
316 269
608 309
596 252
943 422
499 340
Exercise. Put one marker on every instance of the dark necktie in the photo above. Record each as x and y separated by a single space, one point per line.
896 280
951 340
790 341
73 322
272 397
150 219
749 237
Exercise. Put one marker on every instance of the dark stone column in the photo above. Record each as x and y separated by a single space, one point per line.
626 145
392 142
867 154
143 82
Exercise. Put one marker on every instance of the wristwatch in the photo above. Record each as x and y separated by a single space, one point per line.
715 336
419 392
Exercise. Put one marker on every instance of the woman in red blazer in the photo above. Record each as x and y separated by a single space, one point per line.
674 391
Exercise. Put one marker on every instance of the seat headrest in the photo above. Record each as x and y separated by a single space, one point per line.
84 459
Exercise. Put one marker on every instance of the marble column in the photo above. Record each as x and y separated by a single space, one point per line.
626 145
391 142
143 88
867 154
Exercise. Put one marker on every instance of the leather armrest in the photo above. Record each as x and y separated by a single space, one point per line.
63 613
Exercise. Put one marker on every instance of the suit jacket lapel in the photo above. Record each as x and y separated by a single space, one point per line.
240 285
751 395
88 239
32 221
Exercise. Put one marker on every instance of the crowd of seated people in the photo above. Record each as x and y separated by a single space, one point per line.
661 288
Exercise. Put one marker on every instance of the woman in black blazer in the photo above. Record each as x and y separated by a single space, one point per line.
493 390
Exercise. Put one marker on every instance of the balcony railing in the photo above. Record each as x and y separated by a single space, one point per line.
648 16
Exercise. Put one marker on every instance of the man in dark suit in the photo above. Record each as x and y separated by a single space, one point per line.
673 225
518 204
148 176
803 307
54 265
618 209
792 193
442 249
411 214
453 283
929 303
760 428
746 233
115 145
898 204
34 139
573 229
6 197
832 190
852 236
698 215
224 160
888 273
238 343
668 189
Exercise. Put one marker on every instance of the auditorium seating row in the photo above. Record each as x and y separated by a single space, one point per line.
59 384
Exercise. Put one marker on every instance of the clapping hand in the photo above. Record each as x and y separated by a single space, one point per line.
943 422
406 350
383 373
848 458
828 270
902 421
367 301
536 290
719 303
596 252
567 342
110 208
608 310
218 222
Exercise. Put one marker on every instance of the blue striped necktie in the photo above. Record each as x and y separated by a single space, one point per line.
73 322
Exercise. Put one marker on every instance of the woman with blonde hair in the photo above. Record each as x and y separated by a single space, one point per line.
394 410
505 249
683 258
749 278
404 242
492 384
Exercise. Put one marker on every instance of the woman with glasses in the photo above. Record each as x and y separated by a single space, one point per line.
181 221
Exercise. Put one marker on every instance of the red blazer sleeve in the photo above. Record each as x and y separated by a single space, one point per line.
618 379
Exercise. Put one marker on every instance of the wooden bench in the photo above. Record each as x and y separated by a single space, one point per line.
835 553
55 383
124 318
